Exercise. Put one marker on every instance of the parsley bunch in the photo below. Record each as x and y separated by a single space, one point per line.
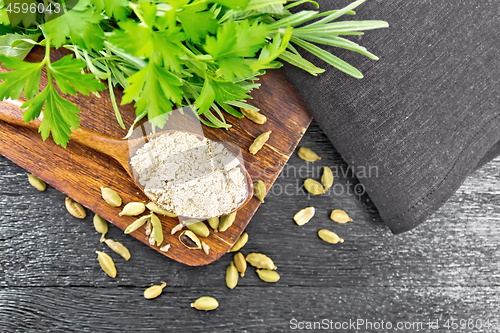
167 54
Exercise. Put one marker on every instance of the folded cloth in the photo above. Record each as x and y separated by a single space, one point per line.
426 114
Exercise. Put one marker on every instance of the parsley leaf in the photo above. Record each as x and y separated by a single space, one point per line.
233 42
153 89
113 8
206 98
59 115
25 76
197 24
24 44
250 38
234 67
224 43
133 38
80 24
67 73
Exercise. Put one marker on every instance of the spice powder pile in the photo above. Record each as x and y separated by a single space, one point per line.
190 176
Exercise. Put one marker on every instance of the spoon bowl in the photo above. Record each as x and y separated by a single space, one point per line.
138 143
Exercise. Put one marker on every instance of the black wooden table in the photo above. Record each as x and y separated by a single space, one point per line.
446 272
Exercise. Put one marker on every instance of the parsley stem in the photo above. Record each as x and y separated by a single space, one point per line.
46 60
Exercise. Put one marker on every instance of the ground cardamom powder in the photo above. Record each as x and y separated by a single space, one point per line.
189 175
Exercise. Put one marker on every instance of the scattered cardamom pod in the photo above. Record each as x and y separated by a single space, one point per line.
165 248
133 209
254 116
158 210
176 228
267 275
148 228
304 215
307 154
226 221
214 223
313 186
107 263
101 226
157 229
205 248
259 142
137 224
327 178
37 183
329 236
111 197
118 247
240 263
239 243
340 216
260 260
205 303
259 190
151 239
231 276
154 291
74 208
190 240
199 228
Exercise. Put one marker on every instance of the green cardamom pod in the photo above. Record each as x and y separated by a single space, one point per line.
133 209
268 275
74 208
199 228
165 248
254 116
329 236
107 263
239 243
37 183
240 263
226 221
154 291
205 248
111 197
100 225
304 215
260 260
205 303
327 178
177 228
137 224
118 247
157 229
190 240
259 190
259 142
340 216
214 223
307 154
313 186
158 210
231 276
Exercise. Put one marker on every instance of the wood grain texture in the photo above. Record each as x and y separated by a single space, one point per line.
447 268
79 172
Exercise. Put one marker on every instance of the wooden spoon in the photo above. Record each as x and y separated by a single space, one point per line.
119 149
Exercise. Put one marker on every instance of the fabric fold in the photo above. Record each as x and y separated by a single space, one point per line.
426 114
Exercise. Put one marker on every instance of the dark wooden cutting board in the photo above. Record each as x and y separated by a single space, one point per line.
79 172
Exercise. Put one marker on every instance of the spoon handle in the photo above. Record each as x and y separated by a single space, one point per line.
106 144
